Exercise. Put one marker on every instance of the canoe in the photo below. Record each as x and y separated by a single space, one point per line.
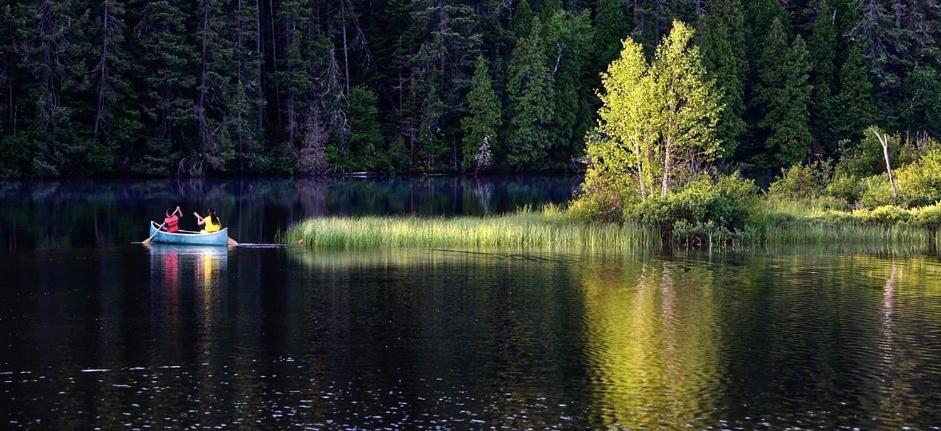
188 237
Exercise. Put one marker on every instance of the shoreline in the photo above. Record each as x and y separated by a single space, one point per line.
551 229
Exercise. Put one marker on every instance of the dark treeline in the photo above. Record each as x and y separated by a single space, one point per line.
406 86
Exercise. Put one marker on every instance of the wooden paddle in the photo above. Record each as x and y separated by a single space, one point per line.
147 241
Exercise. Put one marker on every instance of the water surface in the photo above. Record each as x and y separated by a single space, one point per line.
122 336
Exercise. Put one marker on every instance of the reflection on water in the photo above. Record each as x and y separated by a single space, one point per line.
168 336
49 215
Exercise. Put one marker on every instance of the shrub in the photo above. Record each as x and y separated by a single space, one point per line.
865 158
884 215
928 217
705 209
919 183
607 185
801 181
846 187
600 199
877 192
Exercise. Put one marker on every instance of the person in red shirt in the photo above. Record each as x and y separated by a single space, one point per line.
171 223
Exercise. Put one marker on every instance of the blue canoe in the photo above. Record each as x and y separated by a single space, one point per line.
188 237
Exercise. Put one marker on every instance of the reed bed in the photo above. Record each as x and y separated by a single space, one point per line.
553 230
815 232
795 223
525 230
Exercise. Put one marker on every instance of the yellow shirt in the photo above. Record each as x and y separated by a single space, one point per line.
210 226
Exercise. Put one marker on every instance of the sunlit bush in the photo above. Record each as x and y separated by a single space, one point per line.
884 215
928 217
704 210
801 181
846 187
919 183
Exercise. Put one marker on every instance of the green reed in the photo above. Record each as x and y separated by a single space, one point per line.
545 230
553 230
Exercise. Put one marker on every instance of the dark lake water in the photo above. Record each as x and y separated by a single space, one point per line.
96 332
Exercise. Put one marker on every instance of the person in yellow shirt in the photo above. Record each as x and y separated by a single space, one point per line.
211 223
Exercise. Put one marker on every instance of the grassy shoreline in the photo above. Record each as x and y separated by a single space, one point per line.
548 230
552 229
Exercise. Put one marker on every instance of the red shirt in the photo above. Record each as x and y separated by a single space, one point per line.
172 223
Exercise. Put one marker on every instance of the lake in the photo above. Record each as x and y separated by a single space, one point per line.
97 332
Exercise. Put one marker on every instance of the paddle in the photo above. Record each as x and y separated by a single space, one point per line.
147 241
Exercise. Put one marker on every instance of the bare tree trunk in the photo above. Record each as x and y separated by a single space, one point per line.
200 110
292 120
274 61
102 68
665 183
260 88
640 174
346 53
883 140
238 80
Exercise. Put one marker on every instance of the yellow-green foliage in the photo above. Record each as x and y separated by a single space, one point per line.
919 183
801 181
846 187
649 110
606 188
704 212
884 215
547 230
928 217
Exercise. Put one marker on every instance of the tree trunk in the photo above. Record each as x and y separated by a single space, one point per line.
103 69
346 54
238 80
883 140
665 183
200 111
261 61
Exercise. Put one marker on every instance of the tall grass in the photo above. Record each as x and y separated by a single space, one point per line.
809 223
545 230
774 225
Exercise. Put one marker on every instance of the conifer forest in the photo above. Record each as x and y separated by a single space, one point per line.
322 87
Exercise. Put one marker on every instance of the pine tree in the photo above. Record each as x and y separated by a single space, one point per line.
168 58
783 92
549 8
292 76
653 18
432 144
215 92
855 111
365 143
823 46
482 123
726 66
54 58
117 118
312 158
522 18
610 29
441 69
921 101
568 40
247 106
530 96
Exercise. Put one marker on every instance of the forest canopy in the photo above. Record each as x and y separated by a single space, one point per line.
314 87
